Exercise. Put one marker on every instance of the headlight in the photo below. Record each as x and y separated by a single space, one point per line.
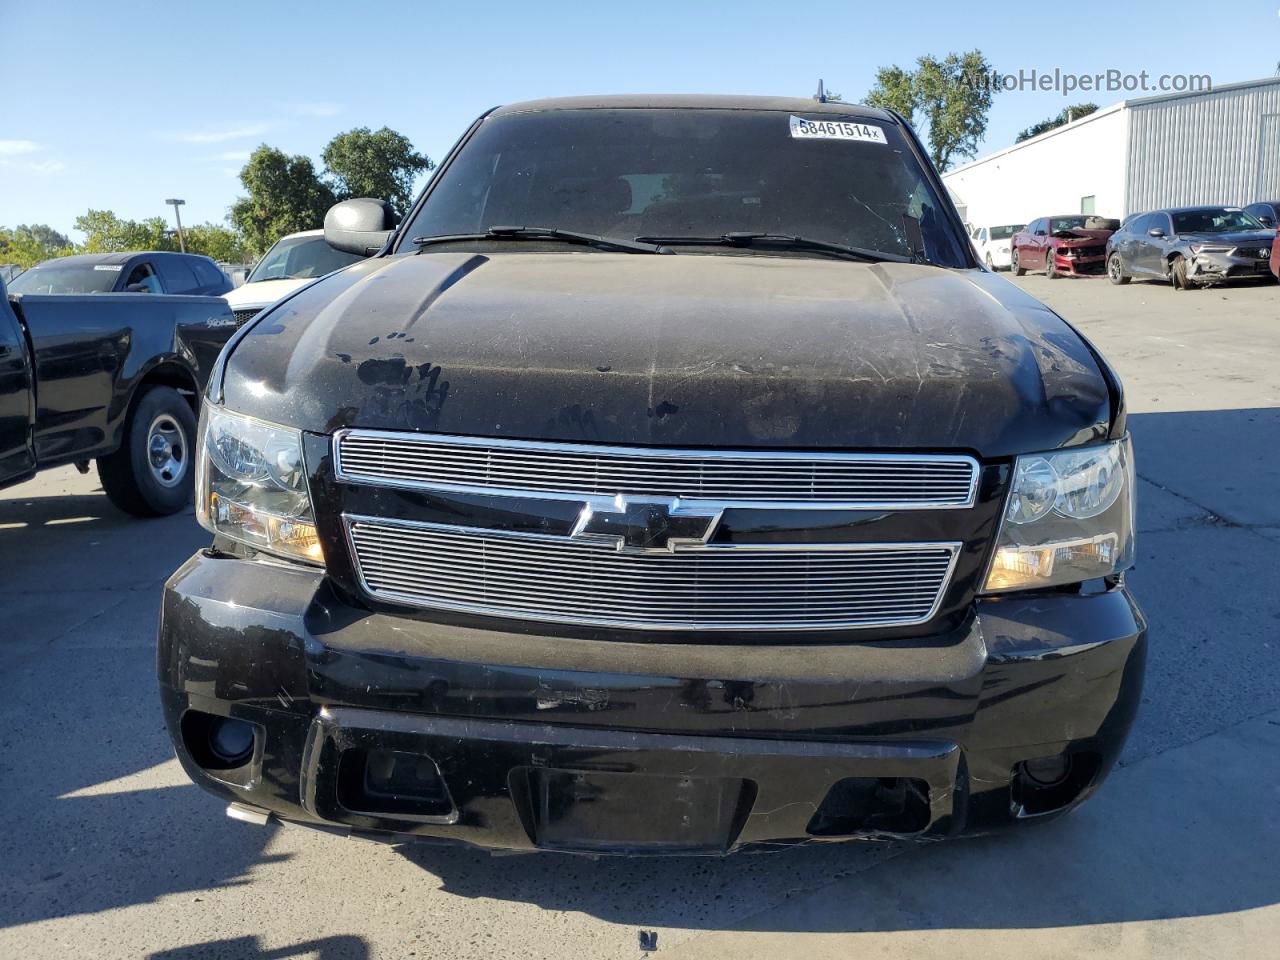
252 485
1069 518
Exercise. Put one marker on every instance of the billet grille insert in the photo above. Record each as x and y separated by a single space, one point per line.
552 578
893 481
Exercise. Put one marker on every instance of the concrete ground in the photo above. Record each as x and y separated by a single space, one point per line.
109 851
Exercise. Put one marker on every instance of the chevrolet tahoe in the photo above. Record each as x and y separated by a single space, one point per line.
671 479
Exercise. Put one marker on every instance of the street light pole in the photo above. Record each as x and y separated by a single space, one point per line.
182 241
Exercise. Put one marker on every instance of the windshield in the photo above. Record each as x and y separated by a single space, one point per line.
1214 220
299 257
1004 233
67 278
629 173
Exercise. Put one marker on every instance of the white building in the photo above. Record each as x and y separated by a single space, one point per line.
1220 146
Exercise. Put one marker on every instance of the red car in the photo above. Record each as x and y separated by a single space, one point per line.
1072 245
1275 255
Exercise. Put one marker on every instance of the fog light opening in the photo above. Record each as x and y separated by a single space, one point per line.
1048 771
231 741
219 743
1046 784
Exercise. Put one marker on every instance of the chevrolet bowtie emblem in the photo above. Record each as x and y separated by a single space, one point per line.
636 525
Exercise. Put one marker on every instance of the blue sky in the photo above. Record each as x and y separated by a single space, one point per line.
119 106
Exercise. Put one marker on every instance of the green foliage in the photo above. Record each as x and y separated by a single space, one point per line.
285 196
212 240
952 102
1067 115
374 163
106 233
895 90
26 245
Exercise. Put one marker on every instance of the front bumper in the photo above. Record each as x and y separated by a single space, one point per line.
1080 266
1216 267
636 747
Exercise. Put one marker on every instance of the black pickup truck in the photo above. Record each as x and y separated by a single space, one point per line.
671 480
115 379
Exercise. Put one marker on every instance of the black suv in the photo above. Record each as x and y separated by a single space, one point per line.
672 479
1190 247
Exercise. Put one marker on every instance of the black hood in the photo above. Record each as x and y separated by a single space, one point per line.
687 350
1261 237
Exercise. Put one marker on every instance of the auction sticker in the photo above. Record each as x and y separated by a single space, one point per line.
836 130
109 267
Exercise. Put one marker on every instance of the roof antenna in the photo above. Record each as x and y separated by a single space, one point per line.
821 95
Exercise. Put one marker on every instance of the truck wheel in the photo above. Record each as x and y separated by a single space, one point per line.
1178 273
1013 264
152 473
990 266
1115 271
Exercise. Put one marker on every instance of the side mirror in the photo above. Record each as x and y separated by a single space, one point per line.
1155 232
1042 233
361 226
1266 221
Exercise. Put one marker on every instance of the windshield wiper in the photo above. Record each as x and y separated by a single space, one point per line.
747 239
546 233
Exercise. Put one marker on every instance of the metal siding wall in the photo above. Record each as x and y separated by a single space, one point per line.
1205 149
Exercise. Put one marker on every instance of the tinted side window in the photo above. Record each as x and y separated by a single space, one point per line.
209 275
176 275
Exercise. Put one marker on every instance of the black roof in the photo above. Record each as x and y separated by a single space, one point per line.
1199 206
88 259
685 101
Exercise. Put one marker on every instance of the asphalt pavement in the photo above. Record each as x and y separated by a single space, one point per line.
109 852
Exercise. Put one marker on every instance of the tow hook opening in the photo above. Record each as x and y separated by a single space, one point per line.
219 743
392 783
870 805
1046 784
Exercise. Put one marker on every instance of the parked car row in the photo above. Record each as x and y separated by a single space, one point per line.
1186 246
291 263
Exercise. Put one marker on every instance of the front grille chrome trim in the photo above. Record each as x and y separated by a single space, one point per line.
436 566
652 471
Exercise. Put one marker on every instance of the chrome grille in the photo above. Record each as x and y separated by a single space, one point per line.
538 577
893 481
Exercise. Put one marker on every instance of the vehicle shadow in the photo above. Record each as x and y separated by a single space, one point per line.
1152 845
250 948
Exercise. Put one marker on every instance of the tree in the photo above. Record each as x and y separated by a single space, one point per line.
1067 115
26 245
285 196
950 96
374 163
220 243
106 233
